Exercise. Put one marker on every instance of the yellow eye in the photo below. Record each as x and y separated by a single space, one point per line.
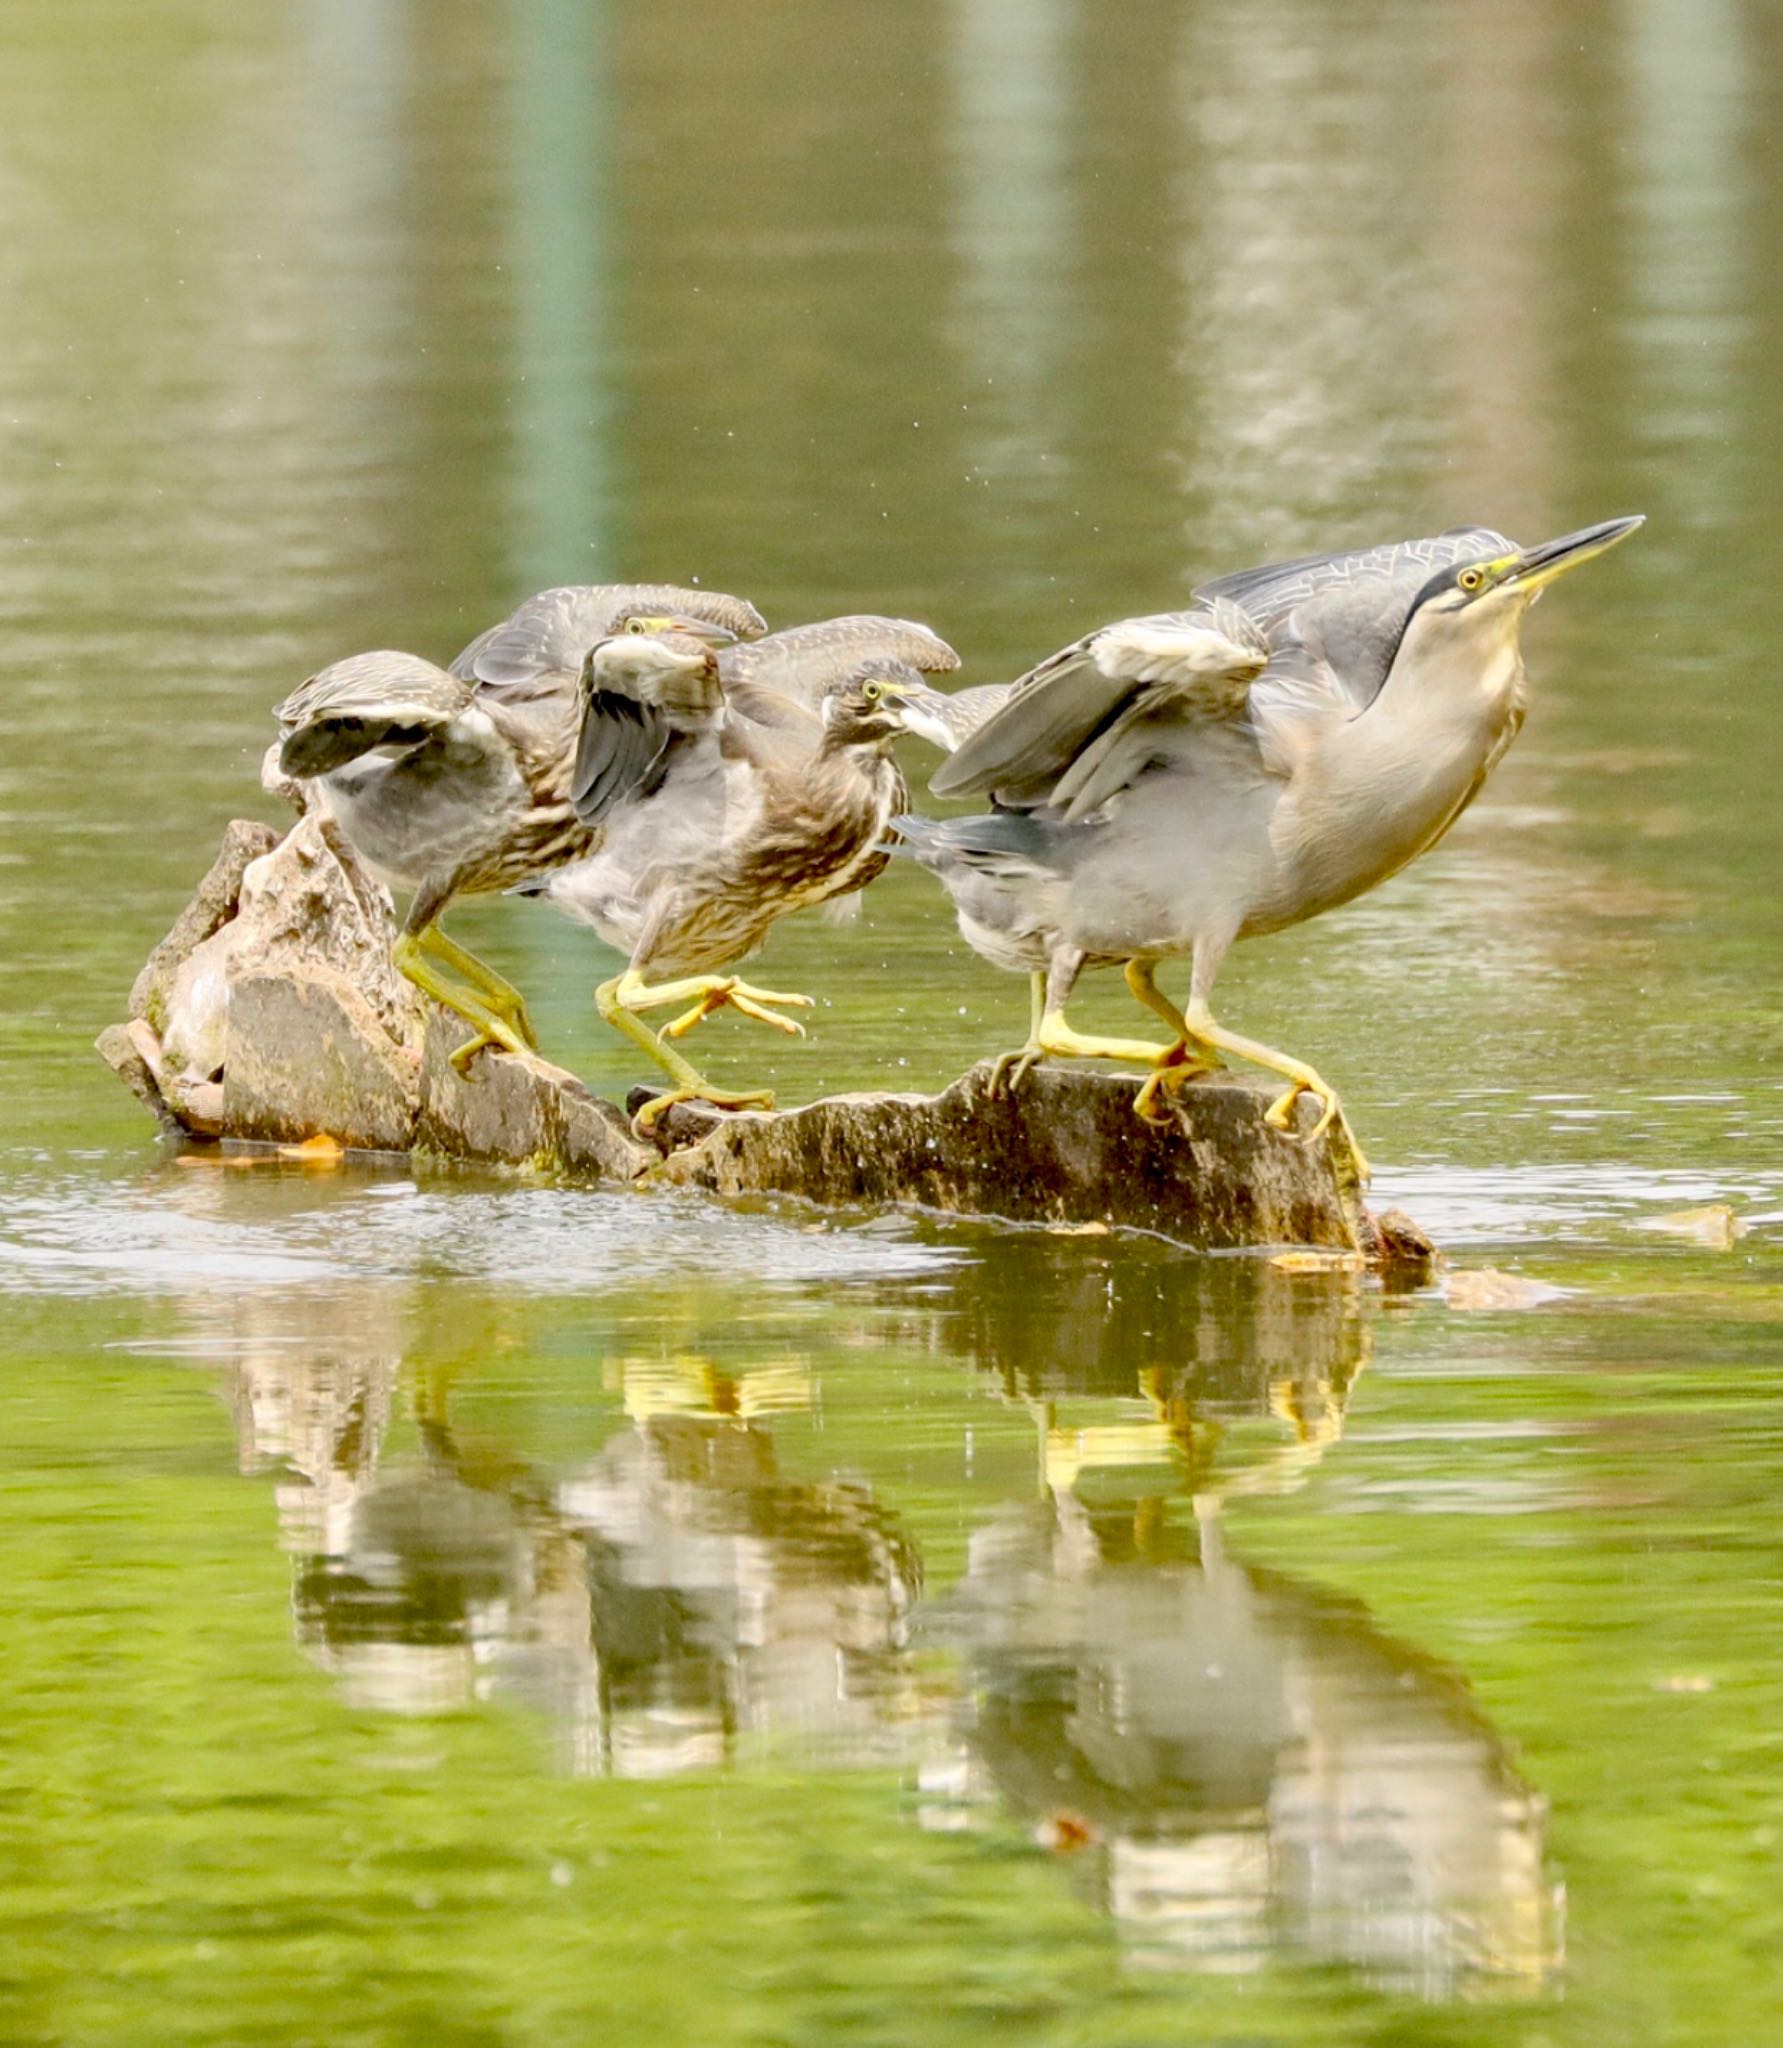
872 692
636 626
1471 579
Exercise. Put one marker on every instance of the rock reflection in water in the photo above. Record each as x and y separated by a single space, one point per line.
1233 1371
676 1594
1239 1765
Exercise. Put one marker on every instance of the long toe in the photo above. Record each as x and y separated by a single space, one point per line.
786 1000
1167 1079
680 1026
491 1030
749 1007
1010 1069
645 1121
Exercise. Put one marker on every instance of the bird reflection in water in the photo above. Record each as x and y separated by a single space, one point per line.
674 1597
1232 1764
728 1600
1235 1765
1231 1373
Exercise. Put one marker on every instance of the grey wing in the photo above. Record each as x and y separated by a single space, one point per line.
621 747
803 661
1352 606
628 726
546 638
1069 731
385 698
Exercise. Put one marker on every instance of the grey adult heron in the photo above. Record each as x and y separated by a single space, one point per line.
1158 797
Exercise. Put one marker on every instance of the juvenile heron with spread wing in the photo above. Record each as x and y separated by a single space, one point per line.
723 802
455 782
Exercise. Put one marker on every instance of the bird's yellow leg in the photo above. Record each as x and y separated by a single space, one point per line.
1303 1079
499 994
409 958
1167 1076
709 992
1055 1038
613 1001
1026 1054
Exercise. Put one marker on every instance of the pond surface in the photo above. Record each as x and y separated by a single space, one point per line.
462 1611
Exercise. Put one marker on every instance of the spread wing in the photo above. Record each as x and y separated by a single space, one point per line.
541 645
634 711
1088 720
801 662
385 698
1076 728
962 712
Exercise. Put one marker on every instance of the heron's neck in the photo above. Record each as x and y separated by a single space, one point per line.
1394 779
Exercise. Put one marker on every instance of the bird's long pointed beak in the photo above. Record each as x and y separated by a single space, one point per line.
1535 568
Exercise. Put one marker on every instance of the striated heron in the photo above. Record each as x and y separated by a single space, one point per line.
1155 801
456 782
722 805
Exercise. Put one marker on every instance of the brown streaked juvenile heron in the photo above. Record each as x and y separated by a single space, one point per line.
1153 806
721 807
456 782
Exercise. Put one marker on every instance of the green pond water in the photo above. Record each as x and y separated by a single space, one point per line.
458 1611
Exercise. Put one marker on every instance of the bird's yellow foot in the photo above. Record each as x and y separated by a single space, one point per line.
1178 1065
1301 1079
410 957
618 1002
498 995
1010 1069
1056 1039
644 1122
1280 1113
490 1030
715 992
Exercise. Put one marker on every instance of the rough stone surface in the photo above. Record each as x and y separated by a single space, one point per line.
308 1057
119 1046
1065 1148
213 905
311 902
520 1111
1400 1248
195 1025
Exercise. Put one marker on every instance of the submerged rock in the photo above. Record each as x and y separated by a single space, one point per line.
271 1012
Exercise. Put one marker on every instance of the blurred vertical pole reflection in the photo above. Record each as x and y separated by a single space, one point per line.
1014 229
1501 191
560 142
1300 193
358 85
1687 70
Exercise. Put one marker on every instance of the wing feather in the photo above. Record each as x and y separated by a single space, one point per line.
545 639
1195 664
385 698
803 661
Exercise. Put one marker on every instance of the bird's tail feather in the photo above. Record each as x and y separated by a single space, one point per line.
990 841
